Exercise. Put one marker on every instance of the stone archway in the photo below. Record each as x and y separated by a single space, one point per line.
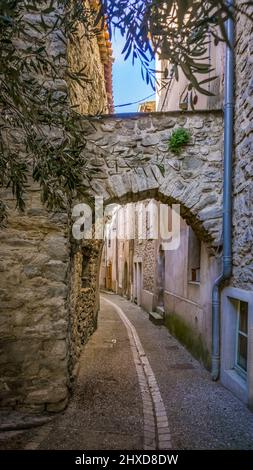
50 294
130 153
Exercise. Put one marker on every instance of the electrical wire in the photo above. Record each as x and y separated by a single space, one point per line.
135 102
143 99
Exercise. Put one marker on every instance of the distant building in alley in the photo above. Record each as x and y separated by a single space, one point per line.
176 282
147 107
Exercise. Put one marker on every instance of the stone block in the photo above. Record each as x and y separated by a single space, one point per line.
55 270
56 247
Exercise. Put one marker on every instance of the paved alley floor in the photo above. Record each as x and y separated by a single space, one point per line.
138 388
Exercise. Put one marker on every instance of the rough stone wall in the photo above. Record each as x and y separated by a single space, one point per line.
49 305
34 267
243 166
84 300
75 307
34 262
83 55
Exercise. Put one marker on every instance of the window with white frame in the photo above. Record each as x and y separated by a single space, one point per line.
236 341
241 338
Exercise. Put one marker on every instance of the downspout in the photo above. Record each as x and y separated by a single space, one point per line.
227 195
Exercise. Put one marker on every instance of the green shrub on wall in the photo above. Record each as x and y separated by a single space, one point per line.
178 139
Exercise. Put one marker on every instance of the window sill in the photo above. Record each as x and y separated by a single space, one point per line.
234 382
241 373
194 283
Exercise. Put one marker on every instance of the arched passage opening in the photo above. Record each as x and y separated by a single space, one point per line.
149 275
175 281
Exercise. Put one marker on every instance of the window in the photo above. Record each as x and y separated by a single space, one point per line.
195 275
194 249
237 341
241 338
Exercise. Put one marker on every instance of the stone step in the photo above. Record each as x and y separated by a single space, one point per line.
156 318
160 310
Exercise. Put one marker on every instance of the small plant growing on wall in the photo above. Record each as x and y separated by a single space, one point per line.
178 139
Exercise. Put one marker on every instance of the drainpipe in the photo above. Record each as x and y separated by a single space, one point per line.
227 196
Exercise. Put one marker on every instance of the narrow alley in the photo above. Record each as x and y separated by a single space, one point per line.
139 388
126 273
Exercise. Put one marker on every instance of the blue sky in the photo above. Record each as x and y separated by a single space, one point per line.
128 85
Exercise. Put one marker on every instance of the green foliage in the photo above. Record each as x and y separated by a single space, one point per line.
179 31
40 133
178 139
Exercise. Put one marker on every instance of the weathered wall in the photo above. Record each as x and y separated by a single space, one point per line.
84 300
83 55
187 304
240 285
243 167
147 251
49 305
124 268
34 263
34 266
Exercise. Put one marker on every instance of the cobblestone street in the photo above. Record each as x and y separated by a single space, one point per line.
138 388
